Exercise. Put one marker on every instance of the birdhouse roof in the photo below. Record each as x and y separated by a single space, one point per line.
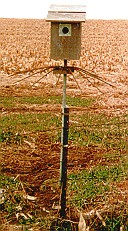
66 13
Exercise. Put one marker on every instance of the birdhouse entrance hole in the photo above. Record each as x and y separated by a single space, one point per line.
64 29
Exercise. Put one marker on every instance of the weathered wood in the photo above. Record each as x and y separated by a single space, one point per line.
66 13
66 47
66 17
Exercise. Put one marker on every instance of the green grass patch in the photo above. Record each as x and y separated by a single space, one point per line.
88 185
8 182
85 130
10 136
12 101
28 122
99 130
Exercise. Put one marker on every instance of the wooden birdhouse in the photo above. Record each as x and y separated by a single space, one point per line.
66 23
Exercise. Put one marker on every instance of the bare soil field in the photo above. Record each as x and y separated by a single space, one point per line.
25 45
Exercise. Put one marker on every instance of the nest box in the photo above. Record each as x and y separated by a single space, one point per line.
66 31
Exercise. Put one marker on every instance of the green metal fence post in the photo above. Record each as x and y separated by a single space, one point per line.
64 148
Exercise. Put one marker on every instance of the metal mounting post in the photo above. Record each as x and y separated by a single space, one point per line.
64 147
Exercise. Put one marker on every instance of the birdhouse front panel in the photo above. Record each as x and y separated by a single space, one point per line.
65 41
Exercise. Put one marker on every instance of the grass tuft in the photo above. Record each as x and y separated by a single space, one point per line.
88 185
